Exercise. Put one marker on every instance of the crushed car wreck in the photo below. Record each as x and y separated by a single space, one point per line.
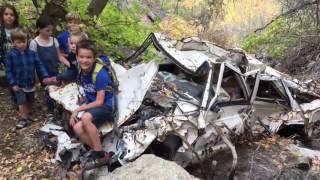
194 104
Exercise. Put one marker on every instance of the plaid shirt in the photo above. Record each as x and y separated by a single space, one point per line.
20 68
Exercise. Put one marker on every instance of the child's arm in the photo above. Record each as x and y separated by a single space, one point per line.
40 67
60 39
98 102
62 58
102 82
9 68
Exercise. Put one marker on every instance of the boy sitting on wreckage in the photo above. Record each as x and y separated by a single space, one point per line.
98 107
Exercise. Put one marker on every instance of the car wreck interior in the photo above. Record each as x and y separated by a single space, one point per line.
164 120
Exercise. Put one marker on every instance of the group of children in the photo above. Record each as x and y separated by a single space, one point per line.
23 60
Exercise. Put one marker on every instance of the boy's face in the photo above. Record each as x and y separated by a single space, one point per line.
73 40
86 59
72 25
21 45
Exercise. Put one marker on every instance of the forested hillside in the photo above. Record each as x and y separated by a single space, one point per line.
282 30
122 25
225 96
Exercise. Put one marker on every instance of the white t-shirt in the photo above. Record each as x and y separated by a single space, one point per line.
8 32
8 45
30 89
33 43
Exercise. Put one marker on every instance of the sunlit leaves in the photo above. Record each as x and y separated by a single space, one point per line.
177 27
115 29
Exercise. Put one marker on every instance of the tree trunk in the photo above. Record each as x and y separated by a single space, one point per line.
55 10
162 3
176 9
96 7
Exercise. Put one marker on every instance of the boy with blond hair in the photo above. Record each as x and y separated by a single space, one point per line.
21 65
73 23
70 74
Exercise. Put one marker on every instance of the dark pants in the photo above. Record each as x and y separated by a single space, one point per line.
49 101
12 96
100 115
68 75
24 97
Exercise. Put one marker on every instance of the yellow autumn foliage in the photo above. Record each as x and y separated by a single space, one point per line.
189 4
244 16
177 27
239 18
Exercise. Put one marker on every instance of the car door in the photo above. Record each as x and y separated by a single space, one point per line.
232 101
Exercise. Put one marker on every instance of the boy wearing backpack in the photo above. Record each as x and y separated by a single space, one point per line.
96 82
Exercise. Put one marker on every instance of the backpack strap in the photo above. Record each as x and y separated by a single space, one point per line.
99 65
111 88
95 72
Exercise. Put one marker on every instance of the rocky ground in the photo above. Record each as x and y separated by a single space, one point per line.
23 157
21 154
268 158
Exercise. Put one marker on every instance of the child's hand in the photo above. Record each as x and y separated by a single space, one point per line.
81 100
74 118
15 88
68 64
50 81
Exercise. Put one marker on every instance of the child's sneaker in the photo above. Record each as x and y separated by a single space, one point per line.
97 159
32 118
50 118
22 123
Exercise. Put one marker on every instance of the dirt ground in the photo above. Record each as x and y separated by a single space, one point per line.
21 154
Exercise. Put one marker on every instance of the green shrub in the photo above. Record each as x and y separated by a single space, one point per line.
114 29
278 37
273 41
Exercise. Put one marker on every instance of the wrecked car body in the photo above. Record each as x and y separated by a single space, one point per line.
196 102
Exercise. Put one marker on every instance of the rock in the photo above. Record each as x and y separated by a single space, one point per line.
62 173
304 163
97 173
72 175
149 167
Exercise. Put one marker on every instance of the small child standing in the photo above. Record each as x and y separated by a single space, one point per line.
73 23
98 108
21 64
70 74
8 21
47 48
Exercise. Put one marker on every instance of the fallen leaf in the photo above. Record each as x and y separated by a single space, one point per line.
19 169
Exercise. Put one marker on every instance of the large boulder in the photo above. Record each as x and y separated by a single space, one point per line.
149 167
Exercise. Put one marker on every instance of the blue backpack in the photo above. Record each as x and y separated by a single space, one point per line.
104 62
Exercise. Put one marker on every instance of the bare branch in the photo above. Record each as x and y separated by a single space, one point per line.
289 12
